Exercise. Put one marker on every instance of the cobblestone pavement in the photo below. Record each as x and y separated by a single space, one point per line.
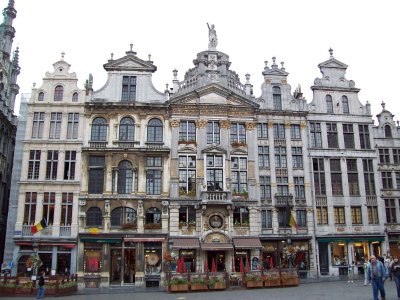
338 290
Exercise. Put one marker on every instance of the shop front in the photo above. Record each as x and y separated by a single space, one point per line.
394 244
186 249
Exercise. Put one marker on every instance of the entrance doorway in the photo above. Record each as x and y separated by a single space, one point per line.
129 267
219 258
323 258
115 266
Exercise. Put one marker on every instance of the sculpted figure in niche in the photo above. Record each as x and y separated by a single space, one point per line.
212 36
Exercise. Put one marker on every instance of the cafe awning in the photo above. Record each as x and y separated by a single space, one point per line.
246 243
185 243
332 239
216 246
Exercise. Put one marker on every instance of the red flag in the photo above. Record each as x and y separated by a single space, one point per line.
233 264
180 265
183 265
271 265
247 264
241 265
213 266
206 265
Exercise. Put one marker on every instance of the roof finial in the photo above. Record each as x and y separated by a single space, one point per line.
266 65
62 55
282 66
274 65
16 55
175 73
331 52
131 45
112 56
383 105
149 57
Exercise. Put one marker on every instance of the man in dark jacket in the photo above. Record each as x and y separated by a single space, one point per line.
40 288
376 275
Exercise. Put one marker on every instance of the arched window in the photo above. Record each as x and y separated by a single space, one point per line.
123 215
94 217
41 96
277 97
153 215
155 131
58 93
125 177
127 129
388 131
345 105
75 97
99 129
241 216
329 104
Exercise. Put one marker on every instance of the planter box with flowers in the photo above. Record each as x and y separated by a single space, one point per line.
198 284
272 279
7 289
152 226
187 142
253 280
127 226
241 195
178 284
239 144
216 283
24 288
290 278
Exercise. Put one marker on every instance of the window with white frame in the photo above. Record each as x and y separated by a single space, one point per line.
69 165
348 135
99 129
338 214
73 126
241 216
187 131
155 131
238 133
369 177
301 217
356 215
58 93
363 130
297 157
153 175
51 164
396 156
55 125
239 174
352 176
336 177
279 131
263 156
390 208
280 157
262 130
49 202
213 132
373 214
295 133
30 208
322 215
38 125
125 177
128 89
329 104
265 187
332 134
387 182
34 164
315 135
266 219
277 98
282 186
384 157
187 175
67 201
126 129
187 216
299 187
214 172
319 176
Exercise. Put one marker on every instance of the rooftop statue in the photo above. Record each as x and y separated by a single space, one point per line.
212 36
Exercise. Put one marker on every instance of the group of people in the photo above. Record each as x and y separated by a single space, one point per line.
377 270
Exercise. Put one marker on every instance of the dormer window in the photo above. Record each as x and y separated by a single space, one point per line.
388 131
41 96
75 97
58 93
128 89
329 104
345 105
277 98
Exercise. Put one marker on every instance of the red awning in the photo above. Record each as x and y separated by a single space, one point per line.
70 246
216 246
246 243
185 243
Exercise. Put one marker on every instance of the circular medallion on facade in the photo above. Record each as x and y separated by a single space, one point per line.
215 221
152 259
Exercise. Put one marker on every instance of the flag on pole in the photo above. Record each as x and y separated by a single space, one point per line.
39 226
292 221
94 230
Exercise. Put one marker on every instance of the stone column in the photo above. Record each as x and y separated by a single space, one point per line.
140 261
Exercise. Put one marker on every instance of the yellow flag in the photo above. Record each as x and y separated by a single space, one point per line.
292 221
93 230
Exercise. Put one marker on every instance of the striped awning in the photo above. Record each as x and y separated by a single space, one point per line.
185 243
246 243
216 246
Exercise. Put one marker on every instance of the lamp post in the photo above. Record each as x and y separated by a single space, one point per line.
35 248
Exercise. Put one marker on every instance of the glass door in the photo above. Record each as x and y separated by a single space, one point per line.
129 268
116 266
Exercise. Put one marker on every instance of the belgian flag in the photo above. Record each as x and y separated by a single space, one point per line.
39 226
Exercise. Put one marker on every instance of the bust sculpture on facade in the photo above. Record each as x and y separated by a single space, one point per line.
212 37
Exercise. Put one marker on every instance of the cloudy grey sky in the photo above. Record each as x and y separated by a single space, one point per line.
362 34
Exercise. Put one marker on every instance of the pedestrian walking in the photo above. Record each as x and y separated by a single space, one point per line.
376 275
40 288
396 274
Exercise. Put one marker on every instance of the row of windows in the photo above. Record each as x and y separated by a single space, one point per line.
52 161
336 177
389 156
329 105
387 180
283 218
280 157
339 215
55 125
59 95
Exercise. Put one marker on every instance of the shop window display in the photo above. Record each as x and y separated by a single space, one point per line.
153 258
339 254
92 260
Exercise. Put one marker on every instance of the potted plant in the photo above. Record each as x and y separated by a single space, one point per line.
67 288
198 284
129 226
7 289
216 283
24 288
178 284
187 142
271 279
152 226
289 278
239 144
253 280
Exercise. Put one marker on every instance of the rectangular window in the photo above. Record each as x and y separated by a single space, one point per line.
364 136
215 174
30 208
295 132
336 177
283 217
322 215
213 132
282 186
38 125
266 219
187 131
153 175
332 134
384 157
34 164
316 135
96 174
373 215
265 187
396 156
319 176
66 209
299 188
128 88
369 179
263 156
49 202
187 175
73 126
69 165
338 212
356 216
301 218
297 157
390 208
279 131
348 135
352 174
52 164
239 174
387 182
55 125
262 130
280 157
398 180
238 133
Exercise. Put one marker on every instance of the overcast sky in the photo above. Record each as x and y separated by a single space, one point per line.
362 34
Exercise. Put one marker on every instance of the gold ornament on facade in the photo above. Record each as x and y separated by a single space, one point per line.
201 123
287 124
174 123
303 125
250 126
226 124
270 124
